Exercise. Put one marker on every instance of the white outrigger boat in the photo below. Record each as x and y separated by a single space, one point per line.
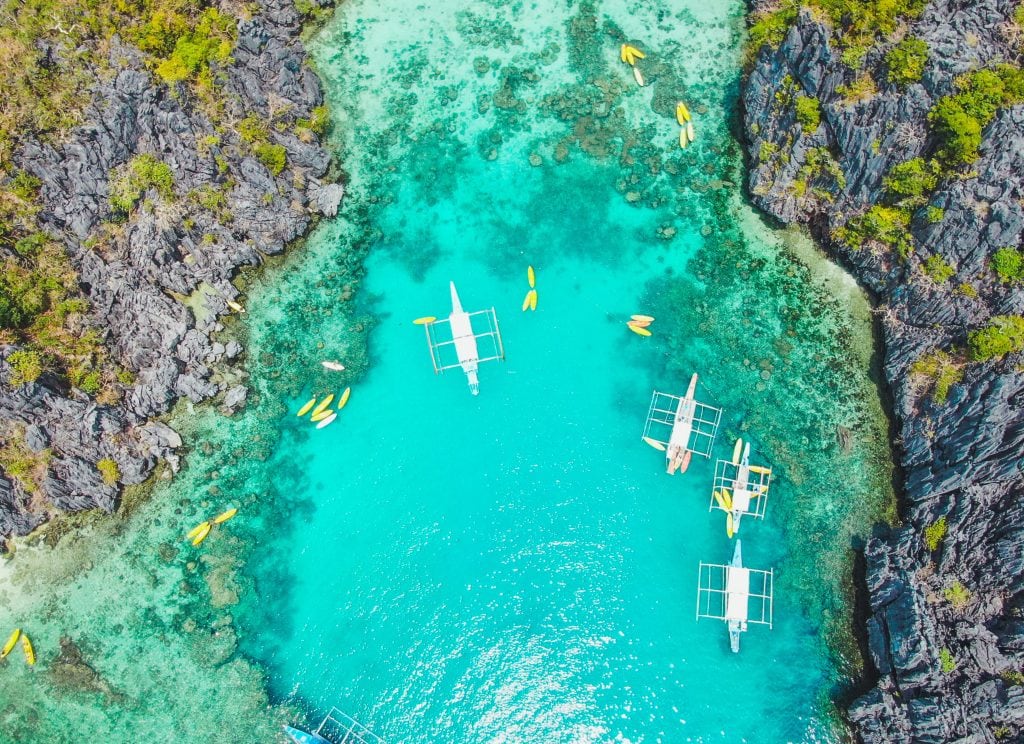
740 488
464 340
337 727
735 594
691 427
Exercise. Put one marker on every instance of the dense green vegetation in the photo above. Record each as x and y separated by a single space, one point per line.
1008 263
1004 334
808 112
908 183
887 225
957 595
946 661
863 22
52 53
905 61
959 119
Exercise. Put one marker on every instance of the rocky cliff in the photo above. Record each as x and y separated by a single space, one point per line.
946 586
159 278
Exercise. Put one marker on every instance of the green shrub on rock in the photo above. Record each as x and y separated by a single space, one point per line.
936 269
1004 334
912 180
888 225
906 61
1008 263
109 471
934 533
143 172
808 112
272 156
947 662
959 119
26 366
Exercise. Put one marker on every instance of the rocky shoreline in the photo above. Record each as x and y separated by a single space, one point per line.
946 629
159 280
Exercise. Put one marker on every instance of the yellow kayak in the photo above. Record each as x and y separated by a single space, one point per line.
15 634
634 52
344 398
638 330
736 452
729 524
726 499
638 77
642 318
526 301
655 443
305 409
683 140
760 470
322 415
26 646
197 529
531 277
424 320
201 535
225 516
690 134
323 404
722 499
533 299
622 53
682 113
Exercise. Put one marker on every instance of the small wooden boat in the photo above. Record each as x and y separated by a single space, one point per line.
327 421
225 516
306 408
11 640
531 277
322 405
235 306
640 323
690 134
685 462
344 398
333 366
638 77
646 318
26 646
201 535
425 320
640 331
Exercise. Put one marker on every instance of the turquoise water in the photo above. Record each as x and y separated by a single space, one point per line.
518 566
515 566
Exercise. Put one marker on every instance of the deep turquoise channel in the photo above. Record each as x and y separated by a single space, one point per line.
516 566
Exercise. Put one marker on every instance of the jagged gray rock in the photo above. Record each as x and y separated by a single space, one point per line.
138 281
948 661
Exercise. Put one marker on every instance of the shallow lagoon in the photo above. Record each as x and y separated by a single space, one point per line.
517 566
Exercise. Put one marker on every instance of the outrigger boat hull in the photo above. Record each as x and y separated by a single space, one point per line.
302 737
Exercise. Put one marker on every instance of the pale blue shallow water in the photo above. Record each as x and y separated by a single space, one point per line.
517 566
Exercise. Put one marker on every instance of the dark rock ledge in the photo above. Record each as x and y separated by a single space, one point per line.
139 275
947 663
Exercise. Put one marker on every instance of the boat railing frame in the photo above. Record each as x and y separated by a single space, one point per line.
712 580
351 731
493 332
706 421
726 473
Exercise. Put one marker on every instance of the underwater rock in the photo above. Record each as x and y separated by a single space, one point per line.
158 288
946 589
71 672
